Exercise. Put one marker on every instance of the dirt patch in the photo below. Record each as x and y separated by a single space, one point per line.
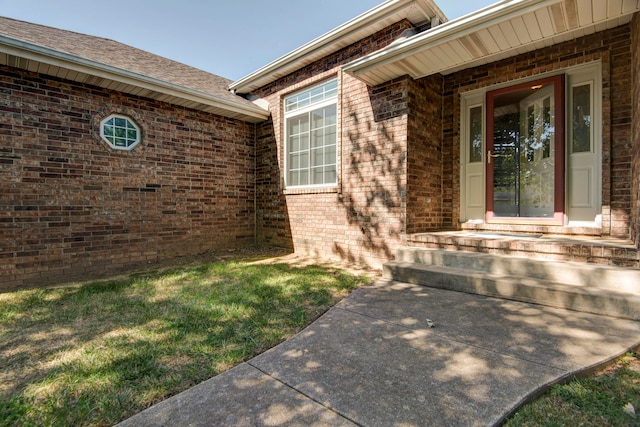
633 362
629 361
257 254
248 253
303 261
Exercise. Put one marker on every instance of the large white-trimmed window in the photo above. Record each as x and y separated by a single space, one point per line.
120 132
311 118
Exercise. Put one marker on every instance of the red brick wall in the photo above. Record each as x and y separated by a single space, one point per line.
635 45
71 208
363 219
374 177
272 219
424 155
613 48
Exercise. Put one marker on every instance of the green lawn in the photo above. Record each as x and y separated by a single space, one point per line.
609 398
98 353
95 354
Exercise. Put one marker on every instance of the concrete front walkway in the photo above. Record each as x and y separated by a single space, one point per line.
373 360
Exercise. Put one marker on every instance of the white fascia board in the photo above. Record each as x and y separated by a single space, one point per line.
379 12
83 65
451 30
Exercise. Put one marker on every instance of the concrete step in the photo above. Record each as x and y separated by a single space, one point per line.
583 287
585 249
574 273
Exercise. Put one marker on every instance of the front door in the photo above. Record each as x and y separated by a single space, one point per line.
525 153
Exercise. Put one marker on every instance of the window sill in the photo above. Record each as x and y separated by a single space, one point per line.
310 190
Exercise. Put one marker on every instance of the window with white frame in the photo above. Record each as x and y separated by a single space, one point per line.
311 136
120 132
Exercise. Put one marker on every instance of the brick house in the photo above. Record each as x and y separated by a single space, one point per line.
112 157
388 130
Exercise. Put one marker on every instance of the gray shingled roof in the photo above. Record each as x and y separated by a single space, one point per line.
121 56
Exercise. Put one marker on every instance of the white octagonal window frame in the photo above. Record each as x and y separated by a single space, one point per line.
120 132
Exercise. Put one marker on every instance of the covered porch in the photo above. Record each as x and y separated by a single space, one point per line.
556 80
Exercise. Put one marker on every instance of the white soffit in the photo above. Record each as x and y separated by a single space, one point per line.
364 25
499 31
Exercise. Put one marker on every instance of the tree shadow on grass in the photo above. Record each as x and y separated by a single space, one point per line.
95 354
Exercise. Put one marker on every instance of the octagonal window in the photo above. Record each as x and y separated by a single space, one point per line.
120 132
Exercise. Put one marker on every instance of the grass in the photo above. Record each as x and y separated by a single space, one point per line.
95 354
599 400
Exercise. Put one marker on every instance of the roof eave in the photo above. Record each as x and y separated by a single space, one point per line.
290 61
78 64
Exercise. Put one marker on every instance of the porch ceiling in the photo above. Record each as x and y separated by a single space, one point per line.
502 30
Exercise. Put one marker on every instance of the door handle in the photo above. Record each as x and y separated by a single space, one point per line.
490 155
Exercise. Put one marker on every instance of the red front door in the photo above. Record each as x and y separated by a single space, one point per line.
526 153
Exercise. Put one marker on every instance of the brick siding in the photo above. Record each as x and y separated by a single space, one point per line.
635 45
363 220
71 208
425 195
613 48
400 151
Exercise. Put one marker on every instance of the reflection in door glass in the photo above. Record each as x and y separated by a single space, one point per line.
523 152
475 134
581 119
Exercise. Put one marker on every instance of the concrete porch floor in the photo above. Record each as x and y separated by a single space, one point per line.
604 250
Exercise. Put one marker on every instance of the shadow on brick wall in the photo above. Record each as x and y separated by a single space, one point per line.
373 173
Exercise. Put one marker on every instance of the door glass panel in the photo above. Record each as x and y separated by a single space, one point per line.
523 152
475 134
546 131
581 118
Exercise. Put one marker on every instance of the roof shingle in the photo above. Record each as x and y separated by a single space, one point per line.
119 55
